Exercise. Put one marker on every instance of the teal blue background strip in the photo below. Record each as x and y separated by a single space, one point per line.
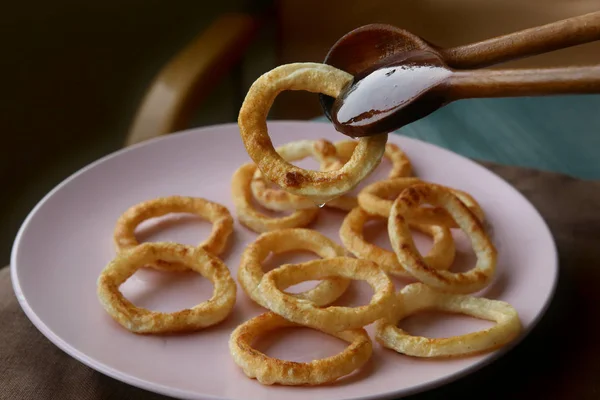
558 133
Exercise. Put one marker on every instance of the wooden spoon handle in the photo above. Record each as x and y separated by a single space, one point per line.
557 35
524 82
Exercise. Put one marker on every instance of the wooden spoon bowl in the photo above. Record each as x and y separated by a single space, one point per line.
369 45
361 49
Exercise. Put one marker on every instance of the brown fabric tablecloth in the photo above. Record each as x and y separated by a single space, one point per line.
560 359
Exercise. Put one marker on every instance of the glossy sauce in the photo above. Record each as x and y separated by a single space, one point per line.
406 88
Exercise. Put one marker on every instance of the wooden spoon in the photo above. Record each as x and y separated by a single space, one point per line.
415 83
378 44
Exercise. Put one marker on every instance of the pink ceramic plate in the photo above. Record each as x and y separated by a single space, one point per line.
67 240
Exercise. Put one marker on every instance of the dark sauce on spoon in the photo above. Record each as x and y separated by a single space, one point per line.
401 90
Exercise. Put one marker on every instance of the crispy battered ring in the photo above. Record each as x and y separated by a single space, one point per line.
330 319
441 255
279 200
141 320
321 186
401 166
374 200
124 234
269 371
404 246
250 271
417 297
255 220
331 157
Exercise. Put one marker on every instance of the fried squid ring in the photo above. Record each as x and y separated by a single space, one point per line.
441 255
250 271
278 199
124 234
418 297
141 320
330 319
404 246
331 157
269 371
374 199
401 166
255 220
321 186
344 202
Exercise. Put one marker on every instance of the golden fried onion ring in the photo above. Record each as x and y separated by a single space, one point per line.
374 200
330 319
321 186
404 246
401 166
269 371
250 271
140 320
279 200
418 297
255 220
441 255
124 233
331 157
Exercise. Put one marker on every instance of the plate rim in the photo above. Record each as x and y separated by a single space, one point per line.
186 394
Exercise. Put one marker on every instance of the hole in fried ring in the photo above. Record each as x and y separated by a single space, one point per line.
250 271
441 255
404 247
269 371
218 215
333 318
255 220
418 297
374 200
321 186
141 320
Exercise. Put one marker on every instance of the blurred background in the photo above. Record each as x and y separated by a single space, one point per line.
75 74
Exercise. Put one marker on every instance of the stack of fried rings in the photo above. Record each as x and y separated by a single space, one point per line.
398 199
304 309
303 189
249 185
173 257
